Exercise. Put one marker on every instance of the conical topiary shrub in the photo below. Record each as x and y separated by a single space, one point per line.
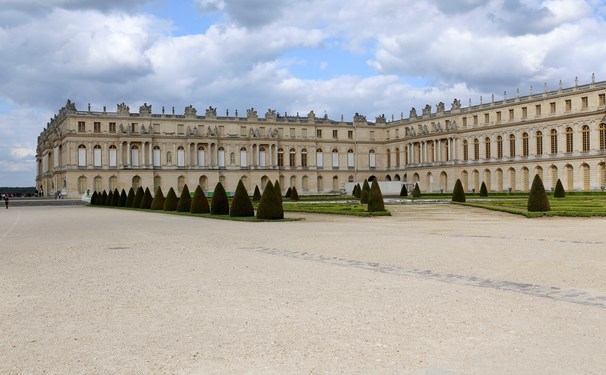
199 203
184 204
147 199
110 197
483 190
269 206
130 198
93 198
241 205
537 199
219 205
358 191
171 201
138 197
257 194
158 201
278 191
116 198
101 201
123 198
375 198
559 190
294 195
364 194
404 191
458 194
416 192
354 191
288 192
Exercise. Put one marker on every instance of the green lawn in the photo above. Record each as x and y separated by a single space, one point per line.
340 208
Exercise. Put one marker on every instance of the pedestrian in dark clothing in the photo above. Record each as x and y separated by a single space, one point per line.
6 201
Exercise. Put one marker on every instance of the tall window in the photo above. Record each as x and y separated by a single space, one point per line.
525 144
388 154
112 127
134 153
113 156
602 130
512 146
539 143
97 127
243 157
156 156
335 158
350 158
221 157
554 141
397 157
81 126
292 158
201 156
280 157
372 159
476 149
499 147
97 156
569 139
262 157
585 134
81 156
319 158
487 147
465 150
180 157
304 158
82 185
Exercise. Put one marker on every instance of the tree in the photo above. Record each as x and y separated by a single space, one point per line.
147 199
416 192
354 190
288 192
404 191
256 194
184 204
108 200
138 197
130 198
123 198
483 190
93 199
101 201
116 198
278 191
358 191
199 204
158 201
537 199
364 195
219 205
171 201
375 198
559 190
241 205
270 208
294 195
458 194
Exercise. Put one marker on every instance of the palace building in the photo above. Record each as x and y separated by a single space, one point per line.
557 134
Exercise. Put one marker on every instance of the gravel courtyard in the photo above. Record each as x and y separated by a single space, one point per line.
434 289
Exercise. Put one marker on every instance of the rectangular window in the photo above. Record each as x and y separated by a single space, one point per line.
292 132
243 131
602 99
524 112
133 127
319 159
222 130
97 157
387 134
397 133
372 135
487 145
335 160
112 127
372 160
335 134
525 146
304 133
584 103
156 157
113 157
350 160
464 121
539 144
537 110
511 115
552 107
318 133
498 116
475 120
81 126
568 105
97 127
180 129
157 128
486 118
350 134
262 131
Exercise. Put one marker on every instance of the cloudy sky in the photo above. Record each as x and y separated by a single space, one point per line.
334 56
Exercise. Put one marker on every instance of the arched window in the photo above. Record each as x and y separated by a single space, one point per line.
539 143
82 156
512 146
372 159
113 183
397 157
525 144
335 184
586 139
98 184
134 156
136 182
156 156
203 181
304 158
292 158
97 156
350 158
499 147
180 157
487 148
305 183
243 157
335 158
221 157
554 141
82 185
319 158
476 149
113 156
465 150
201 156
320 183
602 130
280 157
569 139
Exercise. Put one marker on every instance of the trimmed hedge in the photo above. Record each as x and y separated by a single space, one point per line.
559 191
101 201
123 198
270 208
130 198
404 191
416 192
458 194
158 201
241 205
184 204
257 194
537 199
171 201
109 199
116 198
138 197
294 195
364 194
278 190
375 198
288 192
219 205
93 198
146 202
199 204
483 190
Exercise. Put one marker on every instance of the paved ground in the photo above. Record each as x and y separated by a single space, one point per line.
434 289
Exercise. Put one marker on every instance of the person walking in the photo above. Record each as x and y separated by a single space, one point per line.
6 201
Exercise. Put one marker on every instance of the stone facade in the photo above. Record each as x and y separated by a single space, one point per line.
557 134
